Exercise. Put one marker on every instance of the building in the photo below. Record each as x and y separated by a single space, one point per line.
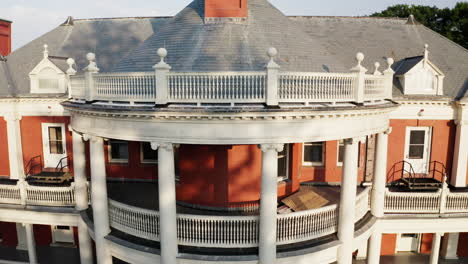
232 133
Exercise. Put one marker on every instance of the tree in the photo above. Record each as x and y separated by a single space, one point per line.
451 23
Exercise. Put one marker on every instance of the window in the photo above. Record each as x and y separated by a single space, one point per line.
416 144
118 151
283 163
313 154
147 154
341 148
55 140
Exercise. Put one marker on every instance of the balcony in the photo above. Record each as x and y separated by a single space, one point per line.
270 87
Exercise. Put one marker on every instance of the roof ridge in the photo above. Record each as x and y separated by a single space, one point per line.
116 18
444 37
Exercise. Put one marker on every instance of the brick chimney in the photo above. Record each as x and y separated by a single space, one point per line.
225 9
5 37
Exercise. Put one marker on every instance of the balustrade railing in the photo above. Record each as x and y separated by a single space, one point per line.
228 87
317 87
231 231
457 203
25 194
409 202
270 86
362 204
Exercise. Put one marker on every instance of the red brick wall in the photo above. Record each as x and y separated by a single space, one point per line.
426 243
388 244
463 245
9 236
442 145
31 136
330 171
225 8
5 38
4 163
42 235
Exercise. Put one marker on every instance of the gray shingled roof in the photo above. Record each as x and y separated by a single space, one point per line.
378 38
332 42
195 46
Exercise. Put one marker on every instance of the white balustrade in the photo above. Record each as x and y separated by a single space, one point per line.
78 86
10 194
50 195
375 87
316 87
217 87
132 87
307 225
362 204
412 202
457 203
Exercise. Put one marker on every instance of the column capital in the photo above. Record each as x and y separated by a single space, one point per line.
93 139
164 145
267 147
388 131
10 117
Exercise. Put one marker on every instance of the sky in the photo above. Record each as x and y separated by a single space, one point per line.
32 18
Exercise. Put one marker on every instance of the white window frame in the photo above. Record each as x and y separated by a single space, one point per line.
281 178
338 162
142 157
46 146
109 152
308 163
428 148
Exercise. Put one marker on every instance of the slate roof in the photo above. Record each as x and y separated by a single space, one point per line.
195 46
304 43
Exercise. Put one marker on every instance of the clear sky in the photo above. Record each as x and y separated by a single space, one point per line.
33 18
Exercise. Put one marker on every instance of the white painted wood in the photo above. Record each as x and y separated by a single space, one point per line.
347 212
460 157
434 259
52 159
21 235
99 199
408 242
47 78
79 172
380 173
450 245
419 164
62 234
85 243
32 255
15 150
374 248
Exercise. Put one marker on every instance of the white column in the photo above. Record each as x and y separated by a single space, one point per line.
348 201
374 248
15 150
450 245
435 248
268 203
31 243
167 202
86 249
460 157
99 200
380 172
81 197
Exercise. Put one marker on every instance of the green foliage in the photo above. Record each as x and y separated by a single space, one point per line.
452 23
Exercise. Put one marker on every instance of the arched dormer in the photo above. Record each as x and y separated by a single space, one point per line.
47 78
419 76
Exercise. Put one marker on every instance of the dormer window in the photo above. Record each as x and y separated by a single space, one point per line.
47 78
419 76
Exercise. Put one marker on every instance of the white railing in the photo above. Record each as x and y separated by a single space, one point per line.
132 87
307 225
50 196
217 231
10 194
230 231
135 221
362 204
270 86
218 87
316 87
456 203
412 202
374 87
24 194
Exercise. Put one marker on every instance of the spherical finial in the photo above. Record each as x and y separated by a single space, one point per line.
70 61
359 57
377 65
162 53
91 56
272 52
426 46
46 46
390 61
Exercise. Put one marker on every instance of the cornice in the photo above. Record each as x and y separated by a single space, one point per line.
244 116
31 100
